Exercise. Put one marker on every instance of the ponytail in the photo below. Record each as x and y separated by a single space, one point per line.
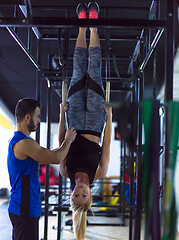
79 218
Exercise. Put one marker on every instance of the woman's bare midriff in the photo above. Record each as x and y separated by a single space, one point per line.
92 138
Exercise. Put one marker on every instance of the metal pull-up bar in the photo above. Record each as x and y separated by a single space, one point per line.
73 22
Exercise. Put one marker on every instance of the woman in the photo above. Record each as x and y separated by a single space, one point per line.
86 161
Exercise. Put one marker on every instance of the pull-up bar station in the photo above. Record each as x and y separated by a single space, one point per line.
121 86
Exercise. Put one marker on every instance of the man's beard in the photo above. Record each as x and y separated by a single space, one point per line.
31 126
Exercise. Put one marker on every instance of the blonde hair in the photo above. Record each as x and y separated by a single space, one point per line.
79 218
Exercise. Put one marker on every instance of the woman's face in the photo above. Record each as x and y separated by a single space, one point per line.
81 193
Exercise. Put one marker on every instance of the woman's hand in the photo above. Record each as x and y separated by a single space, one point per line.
63 108
108 110
62 127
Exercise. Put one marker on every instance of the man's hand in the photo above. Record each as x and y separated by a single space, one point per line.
70 135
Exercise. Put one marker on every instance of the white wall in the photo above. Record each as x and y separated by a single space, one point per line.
7 114
114 164
5 135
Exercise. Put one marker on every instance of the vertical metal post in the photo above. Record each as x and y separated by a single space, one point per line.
38 73
120 174
64 77
131 212
15 16
123 181
158 9
121 189
137 231
107 50
29 39
49 102
154 74
169 56
149 41
38 83
59 223
29 9
155 55
66 46
131 215
140 149
170 46
169 51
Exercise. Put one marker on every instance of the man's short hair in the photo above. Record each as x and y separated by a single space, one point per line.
26 106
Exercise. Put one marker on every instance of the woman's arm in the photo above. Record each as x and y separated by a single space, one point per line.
105 154
61 137
63 170
62 127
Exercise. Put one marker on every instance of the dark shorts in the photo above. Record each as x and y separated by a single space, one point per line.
86 94
24 228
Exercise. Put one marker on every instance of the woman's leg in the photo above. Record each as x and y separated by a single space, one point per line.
95 115
94 38
81 39
95 62
76 91
79 58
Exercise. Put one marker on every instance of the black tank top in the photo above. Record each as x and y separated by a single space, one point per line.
83 156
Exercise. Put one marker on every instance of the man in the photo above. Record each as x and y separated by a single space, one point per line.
24 154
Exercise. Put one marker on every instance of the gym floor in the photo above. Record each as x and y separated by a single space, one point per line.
93 232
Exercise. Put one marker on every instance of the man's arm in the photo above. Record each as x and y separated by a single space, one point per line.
62 127
105 154
30 148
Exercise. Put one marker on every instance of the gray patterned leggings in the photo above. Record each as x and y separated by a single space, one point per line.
86 93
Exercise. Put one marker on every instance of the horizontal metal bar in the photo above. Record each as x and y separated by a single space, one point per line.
125 61
56 77
53 71
111 90
73 22
112 38
121 90
105 224
11 2
57 7
93 205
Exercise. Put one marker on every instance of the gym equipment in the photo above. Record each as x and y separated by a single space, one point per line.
138 56
169 200
107 92
150 200
64 93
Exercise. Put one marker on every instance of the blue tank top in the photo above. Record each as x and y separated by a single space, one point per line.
24 180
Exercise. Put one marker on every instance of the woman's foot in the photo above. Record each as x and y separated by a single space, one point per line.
93 10
82 11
